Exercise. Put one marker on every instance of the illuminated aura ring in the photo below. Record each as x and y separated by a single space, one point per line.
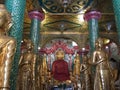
92 14
36 14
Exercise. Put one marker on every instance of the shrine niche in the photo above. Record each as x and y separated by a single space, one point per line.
51 49
58 56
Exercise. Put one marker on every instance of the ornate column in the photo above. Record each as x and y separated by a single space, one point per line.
16 8
116 6
36 18
92 18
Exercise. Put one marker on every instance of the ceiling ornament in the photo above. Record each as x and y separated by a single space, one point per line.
65 6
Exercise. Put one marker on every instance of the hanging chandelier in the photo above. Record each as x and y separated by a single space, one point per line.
65 3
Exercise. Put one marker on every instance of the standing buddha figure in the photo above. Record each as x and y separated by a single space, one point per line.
26 74
103 74
44 70
86 70
76 72
7 48
76 69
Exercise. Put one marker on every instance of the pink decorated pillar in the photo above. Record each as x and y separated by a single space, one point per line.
36 18
92 18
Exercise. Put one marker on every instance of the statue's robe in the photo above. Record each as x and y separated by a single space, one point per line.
7 51
25 72
60 70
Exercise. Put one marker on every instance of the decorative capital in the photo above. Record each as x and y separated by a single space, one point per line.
92 14
36 14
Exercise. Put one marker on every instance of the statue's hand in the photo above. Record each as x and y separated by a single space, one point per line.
34 84
33 76
114 74
10 24
33 79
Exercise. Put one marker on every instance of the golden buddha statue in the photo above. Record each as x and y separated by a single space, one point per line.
26 74
103 74
44 70
76 69
86 70
7 48
60 70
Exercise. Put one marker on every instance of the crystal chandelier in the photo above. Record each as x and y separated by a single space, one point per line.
65 3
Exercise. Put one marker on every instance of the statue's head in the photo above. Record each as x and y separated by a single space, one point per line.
60 54
5 19
29 45
77 57
99 43
85 58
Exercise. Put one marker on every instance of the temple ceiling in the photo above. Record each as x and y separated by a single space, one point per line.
67 15
72 20
64 19
60 18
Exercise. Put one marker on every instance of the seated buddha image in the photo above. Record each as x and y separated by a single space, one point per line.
60 70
